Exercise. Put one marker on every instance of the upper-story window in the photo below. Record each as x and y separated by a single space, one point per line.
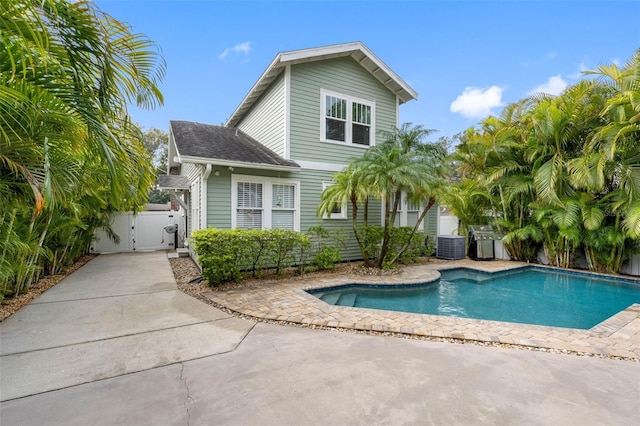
347 120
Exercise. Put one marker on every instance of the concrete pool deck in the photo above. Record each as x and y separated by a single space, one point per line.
116 343
287 301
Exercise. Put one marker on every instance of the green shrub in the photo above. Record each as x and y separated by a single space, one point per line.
224 254
326 246
326 258
372 236
418 246
219 269
284 245
399 237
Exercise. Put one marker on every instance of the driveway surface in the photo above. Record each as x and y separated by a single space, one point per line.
117 343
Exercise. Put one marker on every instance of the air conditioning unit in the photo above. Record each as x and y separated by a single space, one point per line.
450 247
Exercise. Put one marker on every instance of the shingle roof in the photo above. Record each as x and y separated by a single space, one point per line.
223 143
172 182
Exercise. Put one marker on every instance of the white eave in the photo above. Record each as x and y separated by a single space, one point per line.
358 51
239 164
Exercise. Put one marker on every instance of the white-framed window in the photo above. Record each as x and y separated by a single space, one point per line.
347 120
249 205
338 212
283 206
263 203
407 213
413 213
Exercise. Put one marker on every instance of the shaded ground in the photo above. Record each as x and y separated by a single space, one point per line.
12 305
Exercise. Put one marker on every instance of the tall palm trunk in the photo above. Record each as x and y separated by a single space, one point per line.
406 245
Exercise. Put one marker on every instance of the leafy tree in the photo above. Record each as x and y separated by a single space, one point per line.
156 142
404 162
563 172
69 154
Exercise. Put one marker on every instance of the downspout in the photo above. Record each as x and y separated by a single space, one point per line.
204 196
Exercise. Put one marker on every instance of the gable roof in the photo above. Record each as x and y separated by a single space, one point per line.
226 146
357 50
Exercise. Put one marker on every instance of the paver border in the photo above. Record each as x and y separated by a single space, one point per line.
287 301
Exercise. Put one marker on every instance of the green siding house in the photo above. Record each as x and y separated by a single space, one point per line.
307 116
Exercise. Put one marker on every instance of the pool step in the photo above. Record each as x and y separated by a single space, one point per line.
331 298
348 299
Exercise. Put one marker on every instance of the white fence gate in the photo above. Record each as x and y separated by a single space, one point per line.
447 224
144 231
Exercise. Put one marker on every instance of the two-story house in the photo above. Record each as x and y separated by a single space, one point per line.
310 112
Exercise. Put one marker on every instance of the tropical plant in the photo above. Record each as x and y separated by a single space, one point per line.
402 163
69 154
562 172
156 142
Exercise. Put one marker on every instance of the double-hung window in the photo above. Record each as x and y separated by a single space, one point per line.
263 203
249 205
413 213
347 120
407 214
283 206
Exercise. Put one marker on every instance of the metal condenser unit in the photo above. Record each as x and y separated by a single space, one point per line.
481 239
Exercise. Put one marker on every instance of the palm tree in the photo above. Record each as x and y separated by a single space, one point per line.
67 73
616 142
71 65
348 189
402 163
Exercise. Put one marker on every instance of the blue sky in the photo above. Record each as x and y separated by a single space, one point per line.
464 58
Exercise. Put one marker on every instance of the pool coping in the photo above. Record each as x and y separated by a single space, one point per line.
288 301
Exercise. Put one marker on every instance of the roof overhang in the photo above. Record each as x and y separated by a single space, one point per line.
357 50
239 164
172 183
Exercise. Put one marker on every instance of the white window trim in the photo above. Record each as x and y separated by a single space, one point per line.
402 212
343 209
195 204
267 196
348 127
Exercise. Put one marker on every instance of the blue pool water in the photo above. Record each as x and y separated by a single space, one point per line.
528 295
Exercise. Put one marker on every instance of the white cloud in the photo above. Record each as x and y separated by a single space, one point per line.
477 103
580 72
238 48
554 86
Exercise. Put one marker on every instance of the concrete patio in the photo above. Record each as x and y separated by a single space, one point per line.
116 343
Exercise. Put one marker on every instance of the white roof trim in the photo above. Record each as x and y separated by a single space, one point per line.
357 50
242 164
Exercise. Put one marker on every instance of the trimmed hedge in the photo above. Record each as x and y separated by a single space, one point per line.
225 254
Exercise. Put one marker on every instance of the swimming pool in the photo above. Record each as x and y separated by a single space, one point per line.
529 295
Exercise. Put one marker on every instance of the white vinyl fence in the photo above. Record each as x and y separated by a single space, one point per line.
144 231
